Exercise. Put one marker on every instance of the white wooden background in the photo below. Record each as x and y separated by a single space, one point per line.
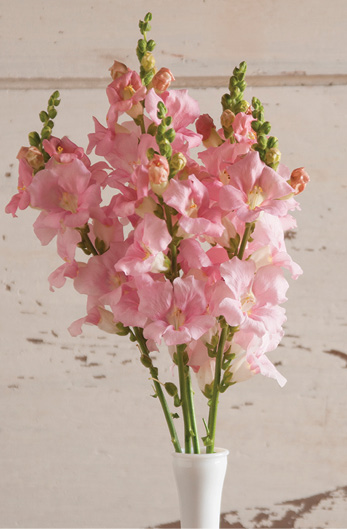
82 444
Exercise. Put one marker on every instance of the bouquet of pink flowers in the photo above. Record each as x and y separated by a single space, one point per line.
201 267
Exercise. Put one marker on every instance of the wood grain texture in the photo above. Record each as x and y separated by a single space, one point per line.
78 39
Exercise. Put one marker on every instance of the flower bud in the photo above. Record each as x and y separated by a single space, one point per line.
117 69
227 119
148 61
205 126
33 156
178 162
162 80
273 156
158 173
298 180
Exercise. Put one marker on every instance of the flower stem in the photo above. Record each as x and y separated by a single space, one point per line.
212 418
245 239
159 391
183 372
194 428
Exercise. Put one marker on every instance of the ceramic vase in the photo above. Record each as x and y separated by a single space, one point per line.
199 480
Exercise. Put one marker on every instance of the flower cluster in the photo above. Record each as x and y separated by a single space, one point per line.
187 253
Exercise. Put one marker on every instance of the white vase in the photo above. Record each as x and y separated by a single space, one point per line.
199 479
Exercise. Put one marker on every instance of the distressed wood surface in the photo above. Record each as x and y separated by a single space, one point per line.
80 39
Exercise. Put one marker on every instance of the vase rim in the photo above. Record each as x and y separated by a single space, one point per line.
219 452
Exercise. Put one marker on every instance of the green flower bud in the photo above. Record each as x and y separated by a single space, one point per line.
273 156
262 141
265 128
171 389
226 101
148 17
148 77
177 162
272 142
151 45
146 361
166 149
152 129
141 44
43 116
34 139
170 135
150 153
52 112
148 61
46 133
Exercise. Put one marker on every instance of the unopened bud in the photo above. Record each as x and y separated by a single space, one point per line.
273 156
299 179
118 69
148 61
158 173
227 119
178 162
33 156
162 80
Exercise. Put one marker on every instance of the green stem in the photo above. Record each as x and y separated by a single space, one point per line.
182 372
194 428
212 418
143 347
245 239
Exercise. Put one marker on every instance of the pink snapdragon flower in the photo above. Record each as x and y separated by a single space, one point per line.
125 94
21 199
176 312
63 150
253 299
64 192
242 126
67 241
245 365
255 187
183 109
146 254
33 156
191 199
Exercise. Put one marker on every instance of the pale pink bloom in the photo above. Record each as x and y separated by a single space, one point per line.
63 190
158 173
254 187
162 80
299 179
242 126
192 256
253 298
151 237
102 139
98 316
190 198
118 69
127 154
98 278
67 241
183 109
177 311
127 309
268 245
64 150
21 199
216 160
125 94
33 156
245 365
206 127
